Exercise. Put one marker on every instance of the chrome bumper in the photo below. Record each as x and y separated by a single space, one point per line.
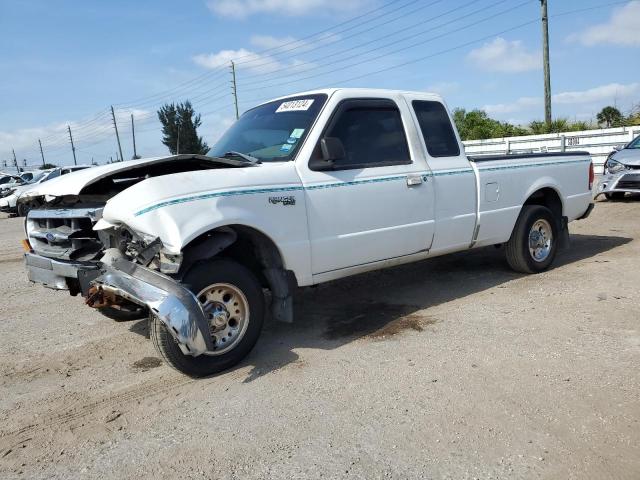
49 272
175 306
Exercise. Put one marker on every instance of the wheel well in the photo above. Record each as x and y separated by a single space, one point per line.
547 197
258 253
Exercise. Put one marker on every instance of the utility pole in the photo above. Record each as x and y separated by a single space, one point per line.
178 137
115 125
133 131
15 160
545 59
73 148
41 152
234 87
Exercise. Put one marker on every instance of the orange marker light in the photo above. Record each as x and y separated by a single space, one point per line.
26 245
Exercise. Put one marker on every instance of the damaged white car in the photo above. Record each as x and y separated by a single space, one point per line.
621 172
300 190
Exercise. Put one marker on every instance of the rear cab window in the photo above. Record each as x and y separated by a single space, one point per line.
437 131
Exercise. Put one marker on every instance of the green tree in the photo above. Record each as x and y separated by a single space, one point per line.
559 125
634 116
477 125
610 117
179 129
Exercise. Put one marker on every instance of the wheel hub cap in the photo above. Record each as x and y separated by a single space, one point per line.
227 311
540 240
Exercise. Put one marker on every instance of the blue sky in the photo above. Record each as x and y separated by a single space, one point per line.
66 62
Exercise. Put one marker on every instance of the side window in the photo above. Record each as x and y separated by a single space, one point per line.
372 134
436 129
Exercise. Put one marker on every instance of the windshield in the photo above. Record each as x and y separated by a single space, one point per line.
635 143
38 176
272 132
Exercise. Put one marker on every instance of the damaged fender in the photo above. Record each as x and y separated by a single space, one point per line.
175 306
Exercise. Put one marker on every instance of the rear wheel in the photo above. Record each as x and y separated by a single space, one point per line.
614 195
534 241
232 299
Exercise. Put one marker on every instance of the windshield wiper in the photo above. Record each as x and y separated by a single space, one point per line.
244 156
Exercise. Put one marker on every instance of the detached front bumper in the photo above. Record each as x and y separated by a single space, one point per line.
56 274
625 181
175 306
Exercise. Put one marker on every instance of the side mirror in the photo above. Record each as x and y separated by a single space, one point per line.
617 148
332 149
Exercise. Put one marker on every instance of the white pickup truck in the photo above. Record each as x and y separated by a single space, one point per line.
300 190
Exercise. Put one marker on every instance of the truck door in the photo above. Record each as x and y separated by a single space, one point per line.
454 180
376 203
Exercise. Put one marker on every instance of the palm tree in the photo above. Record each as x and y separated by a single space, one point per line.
610 116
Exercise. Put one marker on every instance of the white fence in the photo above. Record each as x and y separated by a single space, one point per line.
599 143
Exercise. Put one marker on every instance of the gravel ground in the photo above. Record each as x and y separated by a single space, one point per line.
454 367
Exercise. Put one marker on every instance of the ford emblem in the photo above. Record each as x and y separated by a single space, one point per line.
50 237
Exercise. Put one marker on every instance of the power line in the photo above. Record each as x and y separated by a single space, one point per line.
222 67
316 65
351 65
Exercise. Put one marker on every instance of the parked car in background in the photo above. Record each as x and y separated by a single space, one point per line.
11 199
8 180
621 172
10 195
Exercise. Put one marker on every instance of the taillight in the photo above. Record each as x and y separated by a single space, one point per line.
592 176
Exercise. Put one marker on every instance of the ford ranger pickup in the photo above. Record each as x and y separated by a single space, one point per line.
300 190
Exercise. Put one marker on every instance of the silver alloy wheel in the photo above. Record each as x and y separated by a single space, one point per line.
227 310
540 240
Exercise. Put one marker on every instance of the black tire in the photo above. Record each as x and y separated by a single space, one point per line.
124 315
22 210
197 279
517 249
614 195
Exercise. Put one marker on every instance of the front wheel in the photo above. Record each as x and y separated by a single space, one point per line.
232 299
534 242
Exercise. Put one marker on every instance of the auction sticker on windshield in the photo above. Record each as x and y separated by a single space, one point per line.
295 105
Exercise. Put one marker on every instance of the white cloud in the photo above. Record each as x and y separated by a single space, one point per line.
610 93
501 55
261 62
597 97
250 59
55 136
245 8
620 29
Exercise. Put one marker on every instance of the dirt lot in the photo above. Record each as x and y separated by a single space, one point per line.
451 368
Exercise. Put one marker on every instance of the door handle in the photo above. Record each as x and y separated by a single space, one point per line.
413 180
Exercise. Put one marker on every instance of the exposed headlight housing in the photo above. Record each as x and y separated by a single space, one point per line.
614 167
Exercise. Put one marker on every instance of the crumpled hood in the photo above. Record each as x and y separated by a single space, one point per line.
73 183
169 206
628 156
